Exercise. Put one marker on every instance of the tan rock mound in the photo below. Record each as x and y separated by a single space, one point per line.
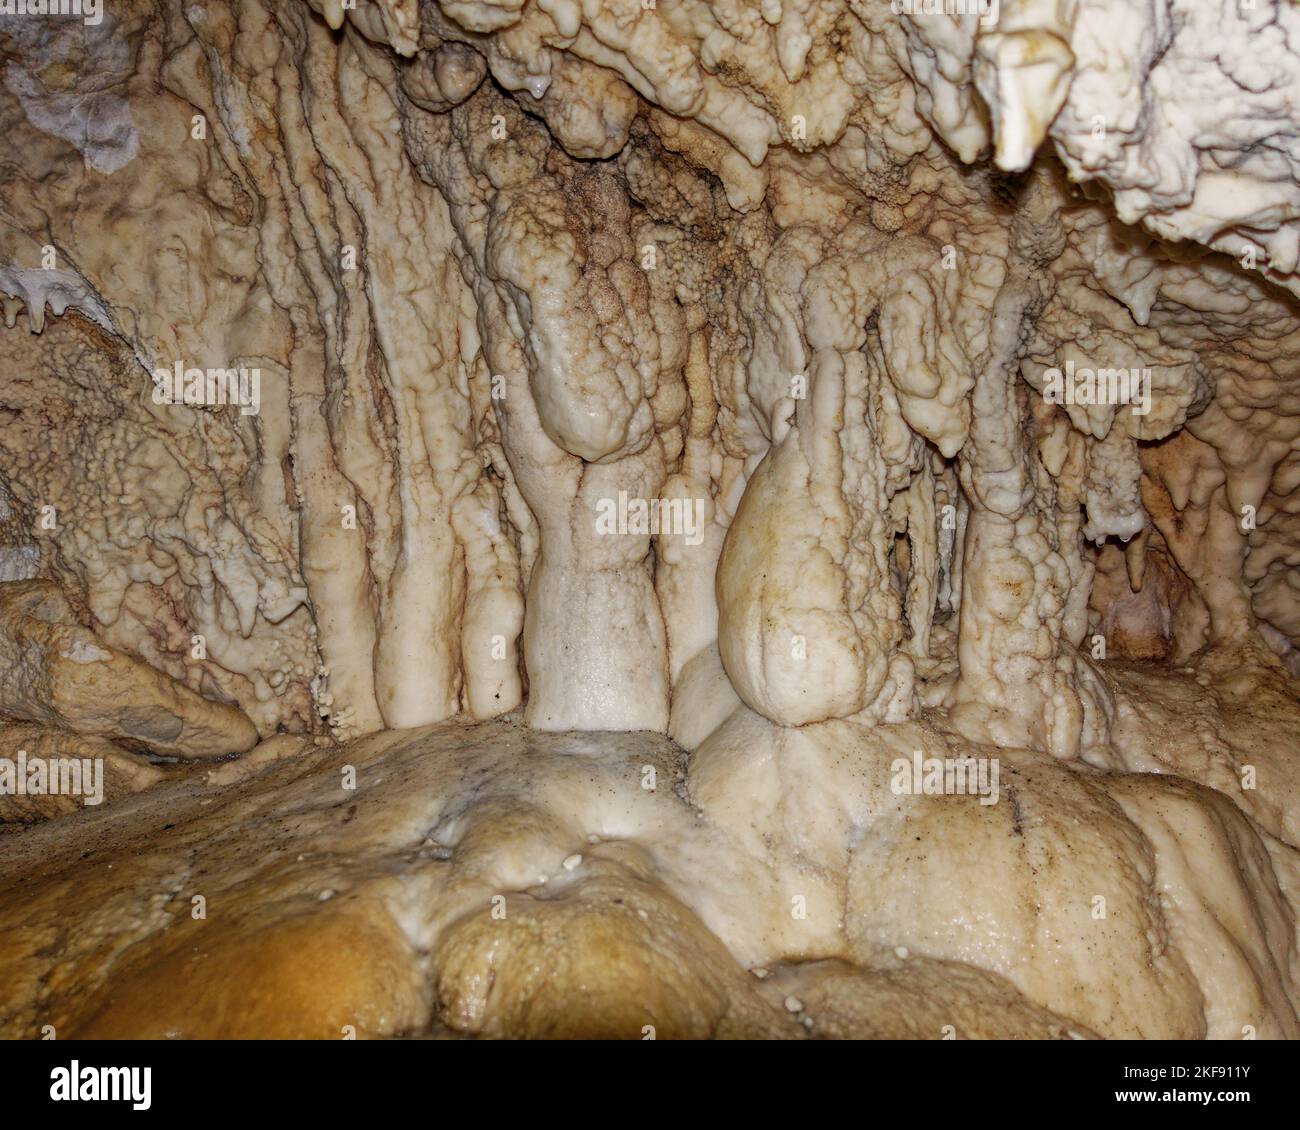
57 673
69 772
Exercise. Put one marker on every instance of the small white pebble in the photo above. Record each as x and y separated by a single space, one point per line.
759 972
593 838
327 894
808 1022
793 1004
572 862
902 951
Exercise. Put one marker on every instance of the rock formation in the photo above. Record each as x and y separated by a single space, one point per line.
663 516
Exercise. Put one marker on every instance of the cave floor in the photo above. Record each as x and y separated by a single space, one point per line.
489 880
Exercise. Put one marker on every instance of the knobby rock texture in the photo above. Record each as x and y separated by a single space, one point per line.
657 438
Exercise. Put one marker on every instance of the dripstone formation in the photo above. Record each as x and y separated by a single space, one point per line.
558 518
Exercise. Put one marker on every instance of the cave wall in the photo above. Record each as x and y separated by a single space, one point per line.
795 266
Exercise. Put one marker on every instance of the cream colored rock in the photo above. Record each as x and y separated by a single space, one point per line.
76 772
806 382
490 880
58 674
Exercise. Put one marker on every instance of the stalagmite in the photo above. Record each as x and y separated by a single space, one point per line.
557 519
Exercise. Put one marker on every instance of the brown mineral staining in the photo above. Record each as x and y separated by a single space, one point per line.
669 422
59 674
